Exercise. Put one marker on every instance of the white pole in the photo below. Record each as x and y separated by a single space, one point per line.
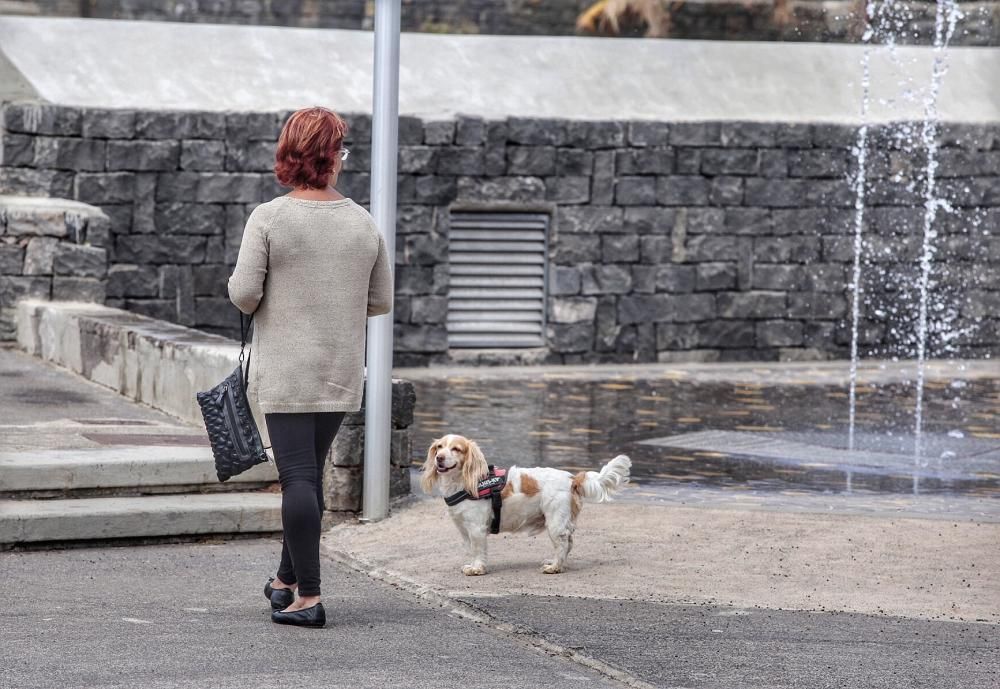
378 384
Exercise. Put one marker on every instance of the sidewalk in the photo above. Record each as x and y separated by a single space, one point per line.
739 596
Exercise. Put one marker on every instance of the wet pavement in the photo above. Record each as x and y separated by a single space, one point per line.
578 418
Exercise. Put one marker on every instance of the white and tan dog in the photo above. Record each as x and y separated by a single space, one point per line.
533 500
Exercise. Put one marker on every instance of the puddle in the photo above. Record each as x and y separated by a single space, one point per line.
579 424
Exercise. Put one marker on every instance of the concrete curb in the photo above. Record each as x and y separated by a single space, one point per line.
523 635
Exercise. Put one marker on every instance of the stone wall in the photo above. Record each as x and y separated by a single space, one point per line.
757 20
50 249
669 241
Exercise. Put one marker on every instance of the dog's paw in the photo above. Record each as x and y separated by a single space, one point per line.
473 570
551 568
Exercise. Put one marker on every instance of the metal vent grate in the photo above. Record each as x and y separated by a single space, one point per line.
496 285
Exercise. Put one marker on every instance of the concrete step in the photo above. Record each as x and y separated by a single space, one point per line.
34 521
116 467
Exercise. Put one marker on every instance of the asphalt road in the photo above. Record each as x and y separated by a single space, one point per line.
187 616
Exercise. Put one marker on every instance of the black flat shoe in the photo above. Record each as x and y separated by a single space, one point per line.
309 617
280 598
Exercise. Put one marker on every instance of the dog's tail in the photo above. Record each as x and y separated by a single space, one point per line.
599 486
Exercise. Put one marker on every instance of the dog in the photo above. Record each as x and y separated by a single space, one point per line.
533 500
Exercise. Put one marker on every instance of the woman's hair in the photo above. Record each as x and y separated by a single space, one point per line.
308 148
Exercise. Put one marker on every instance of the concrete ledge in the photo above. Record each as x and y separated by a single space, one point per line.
120 467
33 521
165 365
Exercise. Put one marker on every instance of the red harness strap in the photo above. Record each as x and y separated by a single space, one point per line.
490 487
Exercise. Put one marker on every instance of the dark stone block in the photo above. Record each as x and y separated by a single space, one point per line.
710 277
812 305
589 220
143 155
100 123
215 311
572 249
80 261
777 276
726 191
78 289
180 125
635 191
537 132
695 134
648 133
748 221
458 160
38 118
682 191
190 218
834 135
772 163
729 161
607 134
649 220
470 131
493 188
417 159
411 131
606 279
424 249
818 162
202 154
825 277
69 153
711 247
677 336
567 190
359 128
413 219
16 149
243 156
786 249
655 248
570 337
11 259
100 188
564 280
428 309
751 304
779 333
572 309
726 334
775 193
688 161
531 160
439 133
656 308
829 193
414 279
644 279
750 134
572 161
210 280
602 189
619 248
420 338
793 135
157 250
645 161
129 280
254 126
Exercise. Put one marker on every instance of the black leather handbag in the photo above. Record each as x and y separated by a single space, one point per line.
236 442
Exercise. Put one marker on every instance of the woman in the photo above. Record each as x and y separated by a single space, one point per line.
312 267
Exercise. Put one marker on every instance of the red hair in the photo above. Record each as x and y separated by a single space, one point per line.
308 148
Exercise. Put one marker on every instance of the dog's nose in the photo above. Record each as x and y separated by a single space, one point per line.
439 458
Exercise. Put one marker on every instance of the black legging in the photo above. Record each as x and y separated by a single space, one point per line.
301 443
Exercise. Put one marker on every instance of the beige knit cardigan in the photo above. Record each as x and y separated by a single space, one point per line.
311 272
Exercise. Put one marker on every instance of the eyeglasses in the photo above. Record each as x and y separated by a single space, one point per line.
344 152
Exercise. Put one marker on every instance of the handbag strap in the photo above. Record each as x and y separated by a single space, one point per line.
245 324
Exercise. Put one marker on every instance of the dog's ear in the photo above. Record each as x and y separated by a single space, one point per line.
475 468
430 476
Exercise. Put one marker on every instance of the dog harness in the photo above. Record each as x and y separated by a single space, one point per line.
490 487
